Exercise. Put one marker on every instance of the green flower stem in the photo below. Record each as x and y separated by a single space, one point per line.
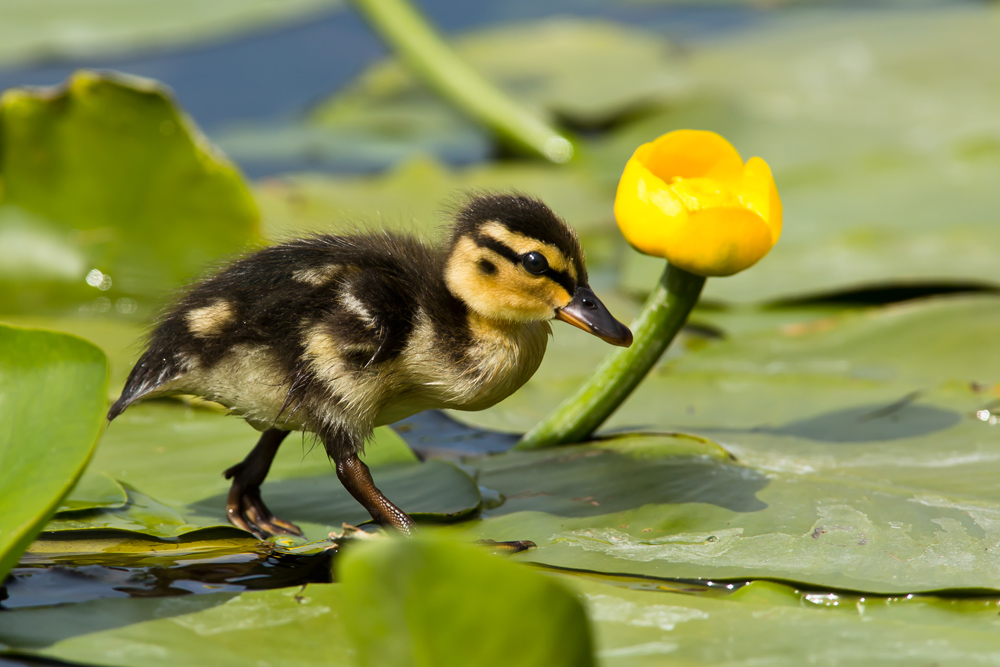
665 312
429 57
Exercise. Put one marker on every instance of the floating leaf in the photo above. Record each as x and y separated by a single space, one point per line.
635 622
171 456
605 508
110 197
771 377
421 602
94 492
292 626
41 457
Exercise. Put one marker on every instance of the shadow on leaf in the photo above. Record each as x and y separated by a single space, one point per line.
590 482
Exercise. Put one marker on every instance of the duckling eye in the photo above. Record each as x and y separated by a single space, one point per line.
535 262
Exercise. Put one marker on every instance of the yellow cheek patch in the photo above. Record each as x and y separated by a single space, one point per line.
210 320
506 294
522 245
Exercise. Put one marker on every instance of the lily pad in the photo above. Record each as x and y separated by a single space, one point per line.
292 626
423 602
600 508
119 336
635 622
170 457
796 371
770 624
111 197
94 492
41 458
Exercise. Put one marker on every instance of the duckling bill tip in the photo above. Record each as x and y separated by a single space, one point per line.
587 312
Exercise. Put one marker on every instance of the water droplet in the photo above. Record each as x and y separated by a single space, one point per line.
100 280
126 306
102 304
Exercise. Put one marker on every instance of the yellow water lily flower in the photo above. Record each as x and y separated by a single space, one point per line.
688 197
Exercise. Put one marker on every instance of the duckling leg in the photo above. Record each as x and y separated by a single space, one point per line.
357 479
244 506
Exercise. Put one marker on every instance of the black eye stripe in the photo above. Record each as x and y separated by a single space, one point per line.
561 278
499 248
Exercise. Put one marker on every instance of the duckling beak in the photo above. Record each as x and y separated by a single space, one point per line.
587 312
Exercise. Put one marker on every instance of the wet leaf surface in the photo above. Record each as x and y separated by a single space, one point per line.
89 213
41 457
636 622
645 506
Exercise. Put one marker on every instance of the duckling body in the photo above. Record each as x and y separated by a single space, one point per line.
338 334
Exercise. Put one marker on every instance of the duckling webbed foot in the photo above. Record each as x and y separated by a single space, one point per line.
244 507
357 479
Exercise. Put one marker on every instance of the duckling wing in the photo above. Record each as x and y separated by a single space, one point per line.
281 328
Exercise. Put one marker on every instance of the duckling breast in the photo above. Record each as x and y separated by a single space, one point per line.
490 364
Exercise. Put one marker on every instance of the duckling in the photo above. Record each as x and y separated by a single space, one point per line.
335 335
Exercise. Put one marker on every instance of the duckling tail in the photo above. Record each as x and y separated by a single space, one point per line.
151 371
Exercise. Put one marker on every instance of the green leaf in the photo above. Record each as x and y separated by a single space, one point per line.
869 436
421 602
118 337
291 626
635 622
52 397
771 377
170 457
94 492
607 508
110 197
54 29
639 622
127 549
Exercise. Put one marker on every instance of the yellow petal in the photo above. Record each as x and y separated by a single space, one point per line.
692 154
648 213
719 241
760 194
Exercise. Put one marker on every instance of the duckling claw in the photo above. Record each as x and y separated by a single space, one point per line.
246 510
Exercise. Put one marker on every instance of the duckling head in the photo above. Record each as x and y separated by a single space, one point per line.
511 259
